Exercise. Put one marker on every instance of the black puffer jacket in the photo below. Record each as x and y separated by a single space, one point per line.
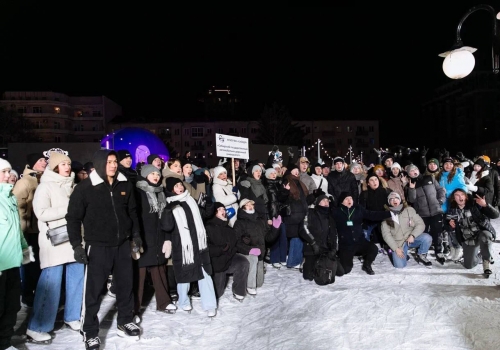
344 181
427 196
108 212
322 227
277 196
221 242
250 232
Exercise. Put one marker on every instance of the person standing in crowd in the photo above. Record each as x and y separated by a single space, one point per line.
226 193
155 160
14 176
50 205
105 204
125 166
342 180
24 191
190 255
14 250
151 202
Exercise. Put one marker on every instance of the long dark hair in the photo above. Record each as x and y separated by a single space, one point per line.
294 189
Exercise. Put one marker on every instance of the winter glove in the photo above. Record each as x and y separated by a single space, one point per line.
235 189
460 156
446 153
138 243
134 253
230 212
277 222
290 152
246 240
28 255
226 247
173 204
318 192
202 200
315 248
254 251
332 254
471 187
80 255
167 249
424 151
199 178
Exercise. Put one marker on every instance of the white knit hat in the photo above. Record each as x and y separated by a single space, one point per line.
218 170
270 171
4 164
396 165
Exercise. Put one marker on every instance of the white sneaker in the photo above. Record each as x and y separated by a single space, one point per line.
212 313
38 337
252 291
74 325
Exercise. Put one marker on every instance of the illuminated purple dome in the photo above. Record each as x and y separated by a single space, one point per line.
138 141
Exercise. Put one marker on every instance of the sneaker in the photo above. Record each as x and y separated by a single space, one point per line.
368 269
38 337
74 325
422 258
128 330
212 313
93 343
252 291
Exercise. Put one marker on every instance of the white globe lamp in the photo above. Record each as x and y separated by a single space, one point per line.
458 63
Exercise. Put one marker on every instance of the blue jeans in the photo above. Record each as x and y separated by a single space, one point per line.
207 293
280 247
422 243
48 293
295 252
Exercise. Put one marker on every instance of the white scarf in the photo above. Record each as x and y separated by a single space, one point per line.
183 227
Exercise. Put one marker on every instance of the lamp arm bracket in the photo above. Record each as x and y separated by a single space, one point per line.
472 10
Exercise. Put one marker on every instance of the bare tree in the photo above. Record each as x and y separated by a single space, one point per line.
15 128
276 127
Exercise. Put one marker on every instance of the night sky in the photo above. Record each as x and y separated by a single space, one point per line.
344 62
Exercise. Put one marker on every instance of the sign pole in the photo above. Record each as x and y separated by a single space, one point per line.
232 167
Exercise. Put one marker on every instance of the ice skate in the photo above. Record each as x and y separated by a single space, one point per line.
277 265
74 325
422 258
188 308
212 313
440 258
170 309
238 297
486 268
92 343
129 330
252 291
38 337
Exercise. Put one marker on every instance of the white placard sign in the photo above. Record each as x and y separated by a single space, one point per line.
231 146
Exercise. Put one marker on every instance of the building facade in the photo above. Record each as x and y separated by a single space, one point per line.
57 117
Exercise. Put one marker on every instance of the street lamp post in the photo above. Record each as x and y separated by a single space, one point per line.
459 61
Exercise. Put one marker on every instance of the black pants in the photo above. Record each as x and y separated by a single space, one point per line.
104 261
239 269
434 227
10 291
367 250
31 271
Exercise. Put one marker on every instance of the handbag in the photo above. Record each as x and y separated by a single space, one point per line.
58 235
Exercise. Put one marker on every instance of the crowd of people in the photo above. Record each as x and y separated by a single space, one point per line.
184 228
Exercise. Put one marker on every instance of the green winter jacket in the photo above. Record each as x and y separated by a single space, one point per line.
12 240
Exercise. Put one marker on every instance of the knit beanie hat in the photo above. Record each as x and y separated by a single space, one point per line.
433 160
122 154
32 158
393 195
219 170
338 159
448 160
411 167
270 171
13 172
255 168
480 162
170 183
152 157
396 165
5 164
320 198
148 169
56 158
218 205
343 196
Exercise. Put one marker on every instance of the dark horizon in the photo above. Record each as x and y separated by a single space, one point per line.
375 62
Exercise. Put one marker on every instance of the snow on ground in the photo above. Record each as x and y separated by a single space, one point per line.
446 307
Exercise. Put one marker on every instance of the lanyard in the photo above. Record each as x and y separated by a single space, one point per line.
349 214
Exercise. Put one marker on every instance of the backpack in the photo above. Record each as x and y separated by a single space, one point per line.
324 270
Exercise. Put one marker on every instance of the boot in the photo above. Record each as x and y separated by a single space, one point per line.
422 258
368 268
486 267
440 258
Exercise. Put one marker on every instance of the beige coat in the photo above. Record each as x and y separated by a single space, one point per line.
410 223
51 205
24 190
194 192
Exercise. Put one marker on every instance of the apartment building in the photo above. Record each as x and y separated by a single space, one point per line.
58 117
